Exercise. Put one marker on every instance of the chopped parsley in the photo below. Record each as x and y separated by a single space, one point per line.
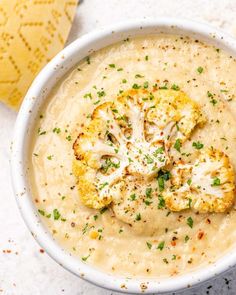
149 245
190 222
177 145
103 185
40 132
213 101
148 192
132 197
147 202
136 86
85 257
56 214
42 212
198 145
161 183
145 85
146 57
175 87
211 96
56 130
161 245
189 181
112 66
200 70
88 95
161 178
189 202
101 93
216 182
85 228
109 164
96 102
149 159
186 239
158 151
104 209
161 203
138 217
138 76
164 87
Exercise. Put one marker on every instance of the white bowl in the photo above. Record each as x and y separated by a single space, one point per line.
28 113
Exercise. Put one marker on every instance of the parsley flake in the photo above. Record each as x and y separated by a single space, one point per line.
149 245
200 70
138 217
161 246
216 182
175 87
198 145
148 192
56 214
162 202
177 145
190 222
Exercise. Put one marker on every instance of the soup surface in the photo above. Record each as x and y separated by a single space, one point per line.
133 157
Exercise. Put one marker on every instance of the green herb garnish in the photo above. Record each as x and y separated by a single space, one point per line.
162 202
148 192
198 145
138 217
161 245
200 70
190 222
175 87
136 86
216 182
177 145
42 212
149 245
56 214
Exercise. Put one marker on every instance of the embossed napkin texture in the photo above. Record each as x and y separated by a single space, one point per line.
31 33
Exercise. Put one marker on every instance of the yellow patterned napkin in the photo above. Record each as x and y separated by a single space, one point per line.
31 33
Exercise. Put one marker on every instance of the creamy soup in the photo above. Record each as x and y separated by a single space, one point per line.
142 185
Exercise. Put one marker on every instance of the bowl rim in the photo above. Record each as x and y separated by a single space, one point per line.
39 88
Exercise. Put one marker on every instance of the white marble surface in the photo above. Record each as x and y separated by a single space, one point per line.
24 270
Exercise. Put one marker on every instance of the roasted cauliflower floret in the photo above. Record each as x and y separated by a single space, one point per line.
92 150
130 136
206 186
175 117
145 157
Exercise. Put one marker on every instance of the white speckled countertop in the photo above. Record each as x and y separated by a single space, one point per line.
24 269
